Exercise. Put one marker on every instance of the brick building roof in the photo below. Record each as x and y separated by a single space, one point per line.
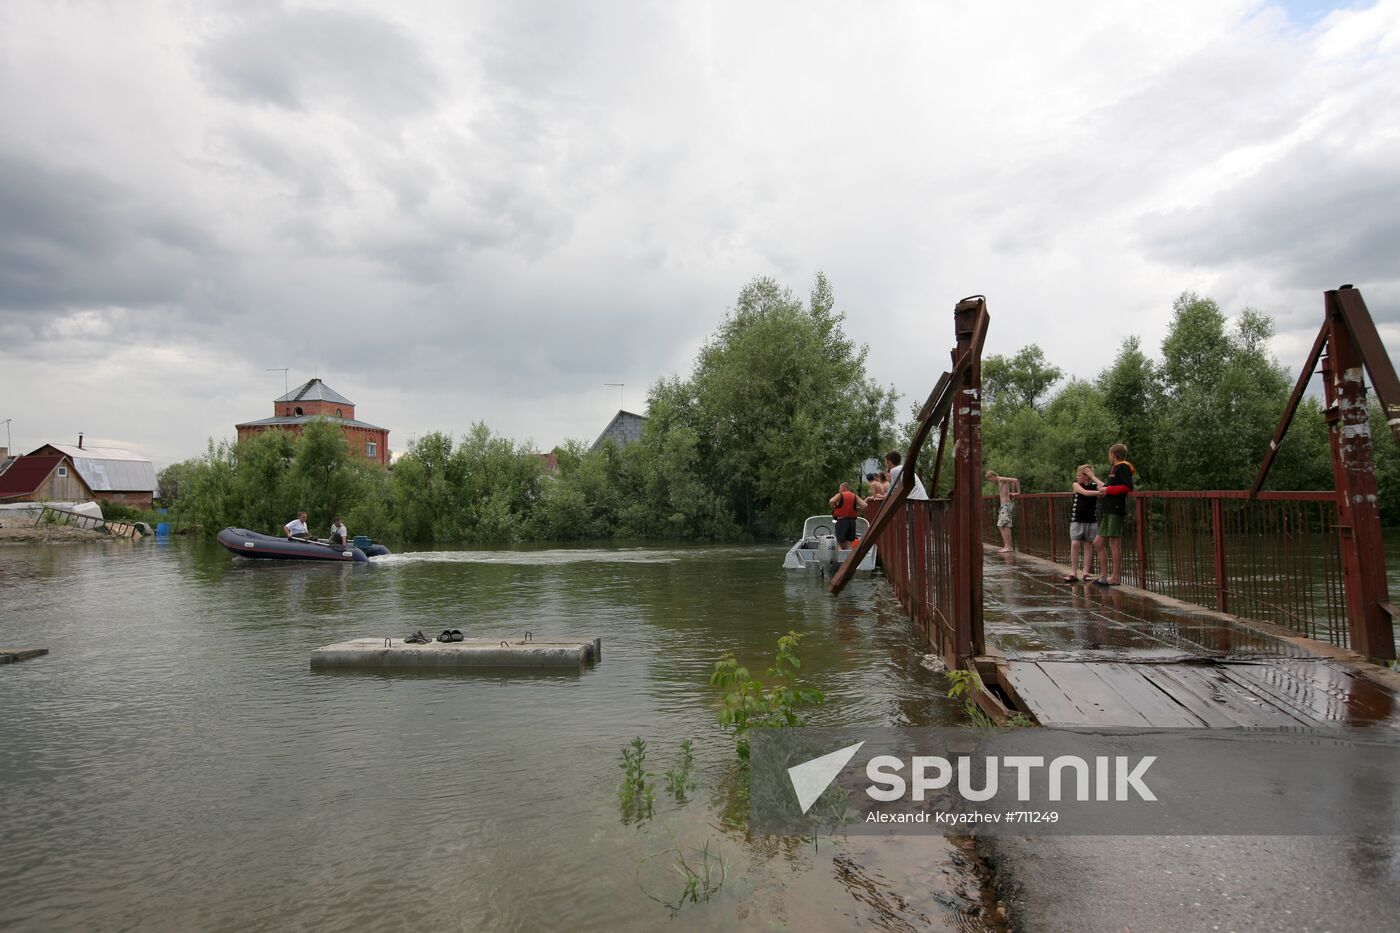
314 390
304 419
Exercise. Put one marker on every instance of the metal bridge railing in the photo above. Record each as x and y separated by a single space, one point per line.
1276 558
916 553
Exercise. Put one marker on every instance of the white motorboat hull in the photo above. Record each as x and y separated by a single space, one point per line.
817 550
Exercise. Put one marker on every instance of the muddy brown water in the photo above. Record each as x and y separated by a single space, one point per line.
174 764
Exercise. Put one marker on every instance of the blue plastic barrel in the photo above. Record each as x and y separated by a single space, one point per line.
162 529
362 541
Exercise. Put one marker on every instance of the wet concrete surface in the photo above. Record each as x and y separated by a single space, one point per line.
1030 614
1188 883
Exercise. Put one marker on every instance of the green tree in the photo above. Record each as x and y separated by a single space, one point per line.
261 500
175 480
422 491
1387 457
780 406
1078 427
1132 392
1223 395
1020 380
324 478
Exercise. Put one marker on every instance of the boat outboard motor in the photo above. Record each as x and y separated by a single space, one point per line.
828 551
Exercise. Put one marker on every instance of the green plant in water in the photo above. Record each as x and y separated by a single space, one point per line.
636 793
702 875
960 685
748 703
681 778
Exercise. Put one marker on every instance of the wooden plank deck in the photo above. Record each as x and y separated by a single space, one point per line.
1210 695
1120 658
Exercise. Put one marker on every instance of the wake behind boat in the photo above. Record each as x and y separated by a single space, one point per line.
247 543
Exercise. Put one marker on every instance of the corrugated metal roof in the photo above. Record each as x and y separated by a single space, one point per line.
303 419
111 469
314 390
99 453
27 474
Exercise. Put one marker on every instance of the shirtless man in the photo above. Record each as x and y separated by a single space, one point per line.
1007 486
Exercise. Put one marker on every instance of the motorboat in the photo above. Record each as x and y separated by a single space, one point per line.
818 551
247 543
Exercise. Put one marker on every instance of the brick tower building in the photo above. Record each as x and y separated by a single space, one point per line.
315 399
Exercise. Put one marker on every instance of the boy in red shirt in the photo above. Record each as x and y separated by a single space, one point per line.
1113 511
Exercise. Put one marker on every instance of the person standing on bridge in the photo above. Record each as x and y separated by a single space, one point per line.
1112 513
879 485
892 463
845 506
1007 486
1083 522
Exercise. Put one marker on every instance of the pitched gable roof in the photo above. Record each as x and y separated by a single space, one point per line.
27 474
109 469
625 427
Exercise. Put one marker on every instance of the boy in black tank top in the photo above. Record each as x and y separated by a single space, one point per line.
1083 522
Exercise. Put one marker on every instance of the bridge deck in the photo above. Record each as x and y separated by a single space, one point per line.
1080 655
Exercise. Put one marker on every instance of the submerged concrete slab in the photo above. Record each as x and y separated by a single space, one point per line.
473 653
10 655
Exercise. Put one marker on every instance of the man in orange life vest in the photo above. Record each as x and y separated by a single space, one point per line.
844 506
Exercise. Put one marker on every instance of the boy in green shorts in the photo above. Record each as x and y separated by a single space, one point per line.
1112 511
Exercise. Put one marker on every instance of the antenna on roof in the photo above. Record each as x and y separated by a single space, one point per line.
619 391
286 390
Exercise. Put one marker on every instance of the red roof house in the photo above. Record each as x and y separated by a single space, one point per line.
43 478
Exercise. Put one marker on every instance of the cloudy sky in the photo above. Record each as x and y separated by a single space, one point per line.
458 211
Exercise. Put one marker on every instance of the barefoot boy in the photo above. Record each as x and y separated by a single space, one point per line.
1112 510
1007 486
1083 522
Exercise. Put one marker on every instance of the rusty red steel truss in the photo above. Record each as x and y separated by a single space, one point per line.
1348 347
1310 561
931 551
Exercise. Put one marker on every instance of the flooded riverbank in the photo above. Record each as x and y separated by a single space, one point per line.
174 763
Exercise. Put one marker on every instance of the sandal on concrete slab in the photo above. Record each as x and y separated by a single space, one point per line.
417 638
457 635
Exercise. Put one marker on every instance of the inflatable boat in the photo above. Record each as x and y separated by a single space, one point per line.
247 543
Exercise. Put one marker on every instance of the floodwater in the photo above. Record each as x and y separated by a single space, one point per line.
174 764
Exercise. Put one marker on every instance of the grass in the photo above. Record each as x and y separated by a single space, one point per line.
637 792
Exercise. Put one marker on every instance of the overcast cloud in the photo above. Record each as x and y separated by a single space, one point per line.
485 211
